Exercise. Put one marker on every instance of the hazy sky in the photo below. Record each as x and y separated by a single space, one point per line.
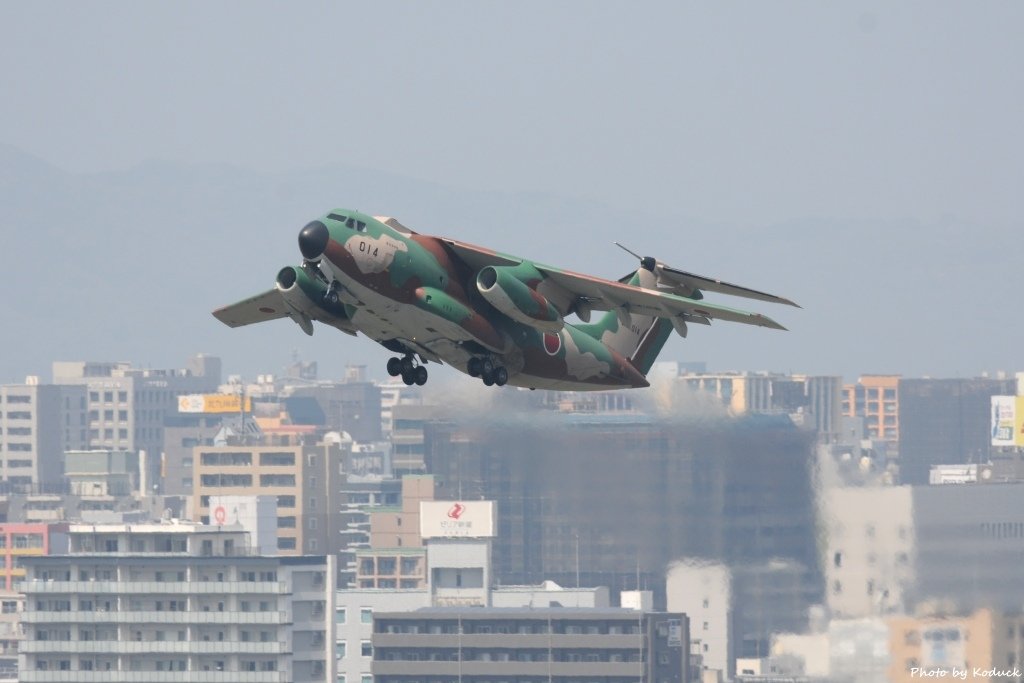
746 119
738 113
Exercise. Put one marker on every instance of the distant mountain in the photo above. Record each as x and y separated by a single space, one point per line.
128 265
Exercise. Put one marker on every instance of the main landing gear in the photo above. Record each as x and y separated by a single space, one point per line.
411 371
490 373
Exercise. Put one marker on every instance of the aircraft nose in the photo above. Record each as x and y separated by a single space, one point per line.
313 240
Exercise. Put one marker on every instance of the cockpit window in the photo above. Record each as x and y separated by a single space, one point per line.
349 222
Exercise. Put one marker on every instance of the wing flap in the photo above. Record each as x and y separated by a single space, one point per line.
269 305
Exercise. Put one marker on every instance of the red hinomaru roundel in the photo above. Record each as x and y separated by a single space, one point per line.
552 343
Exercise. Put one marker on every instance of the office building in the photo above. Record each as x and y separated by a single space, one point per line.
303 478
172 602
945 422
127 406
869 553
875 398
596 496
734 610
457 551
38 422
568 645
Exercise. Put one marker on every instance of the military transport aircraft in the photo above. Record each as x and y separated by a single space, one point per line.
497 317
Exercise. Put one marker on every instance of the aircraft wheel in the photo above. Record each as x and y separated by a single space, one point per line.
500 376
486 367
408 378
488 379
394 366
407 364
419 375
473 367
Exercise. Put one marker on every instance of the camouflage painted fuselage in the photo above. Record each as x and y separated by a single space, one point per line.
411 292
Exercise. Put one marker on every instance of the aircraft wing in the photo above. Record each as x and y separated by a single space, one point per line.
690 281
478 257
601 294
606 295
257 309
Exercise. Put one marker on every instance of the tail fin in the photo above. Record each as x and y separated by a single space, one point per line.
642 339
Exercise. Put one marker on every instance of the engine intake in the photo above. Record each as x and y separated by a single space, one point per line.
502 289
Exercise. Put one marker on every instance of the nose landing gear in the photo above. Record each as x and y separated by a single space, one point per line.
490 373
410 371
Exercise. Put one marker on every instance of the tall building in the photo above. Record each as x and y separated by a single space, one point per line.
304 479
172 602
127 406
869 550
945 421
875 398
38 422
735 610
894 549
352 406
598 497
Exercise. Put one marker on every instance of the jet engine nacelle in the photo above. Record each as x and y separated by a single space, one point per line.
301 308
502 289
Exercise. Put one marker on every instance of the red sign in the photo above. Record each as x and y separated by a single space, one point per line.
456 510
220 514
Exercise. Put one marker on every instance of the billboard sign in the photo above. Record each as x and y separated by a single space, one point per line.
213 403
457 519
1008 420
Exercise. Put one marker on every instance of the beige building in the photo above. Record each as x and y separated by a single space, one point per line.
396 557
983 646
302 478
869 562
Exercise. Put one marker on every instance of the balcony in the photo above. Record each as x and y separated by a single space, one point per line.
154 617
129 647
508 640
507 669
155 587
153 676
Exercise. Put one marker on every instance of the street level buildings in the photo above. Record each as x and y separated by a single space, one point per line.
175 601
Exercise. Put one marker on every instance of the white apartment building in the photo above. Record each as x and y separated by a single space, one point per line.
174 601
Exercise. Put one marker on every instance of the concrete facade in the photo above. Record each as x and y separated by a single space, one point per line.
127 406
304 479
172 602
486 644
869 558
38 422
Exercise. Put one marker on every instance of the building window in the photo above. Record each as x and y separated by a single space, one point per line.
366 649
341 616
366 615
